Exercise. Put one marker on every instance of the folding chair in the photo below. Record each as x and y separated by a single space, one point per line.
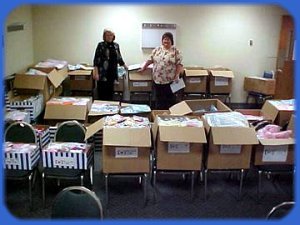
77 202
68 131
22 132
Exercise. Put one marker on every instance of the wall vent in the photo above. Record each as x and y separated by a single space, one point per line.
15 27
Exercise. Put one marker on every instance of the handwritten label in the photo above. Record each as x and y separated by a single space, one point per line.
178 147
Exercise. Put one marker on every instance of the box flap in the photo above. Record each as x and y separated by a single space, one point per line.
136 76
195 73
94 128
55 76
182 134
180 109
288 141
234 135
34 82
291 125
134 137
269 111
222 73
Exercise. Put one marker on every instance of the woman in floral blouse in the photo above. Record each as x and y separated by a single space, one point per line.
167 66
106 60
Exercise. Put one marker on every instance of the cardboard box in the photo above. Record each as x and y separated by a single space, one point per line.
276 151
192 107
68 108
126 150
154 113
195 80
140 82
81 80
128 109
253 114
229 147
81 158
260 85
20 156
220 81
178 148
33 104
28 84
99 109
279 111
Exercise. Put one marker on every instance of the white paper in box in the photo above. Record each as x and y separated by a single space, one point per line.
67 159
19 156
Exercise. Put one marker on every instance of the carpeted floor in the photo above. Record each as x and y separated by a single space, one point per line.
173 197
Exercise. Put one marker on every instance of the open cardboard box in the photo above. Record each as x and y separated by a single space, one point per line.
45 84
260 85
178 148
278 112
195 80
96 115
276 151
229 147
125 150
253 114
68 111
190 107
220 81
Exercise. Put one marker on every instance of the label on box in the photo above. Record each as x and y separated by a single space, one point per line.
60 161
221 81
194 80
178 147
123 152
230 149
275 153
140 84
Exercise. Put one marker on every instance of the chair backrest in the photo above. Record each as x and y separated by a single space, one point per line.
70 131
77 202
280 210
20 132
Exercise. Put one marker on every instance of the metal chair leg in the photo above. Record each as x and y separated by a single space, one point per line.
154 185
241 184
145 188
43 189
81 180
91 176
205 184
192 184
29 190
106 189
259 185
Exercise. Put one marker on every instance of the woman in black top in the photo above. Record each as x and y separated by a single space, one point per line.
106 60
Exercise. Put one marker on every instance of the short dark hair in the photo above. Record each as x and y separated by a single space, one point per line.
168 35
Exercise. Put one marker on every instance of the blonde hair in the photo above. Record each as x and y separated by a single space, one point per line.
105 31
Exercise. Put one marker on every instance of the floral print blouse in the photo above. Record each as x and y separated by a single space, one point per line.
164 64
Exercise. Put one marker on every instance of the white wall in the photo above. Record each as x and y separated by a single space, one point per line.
18 44
207 35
